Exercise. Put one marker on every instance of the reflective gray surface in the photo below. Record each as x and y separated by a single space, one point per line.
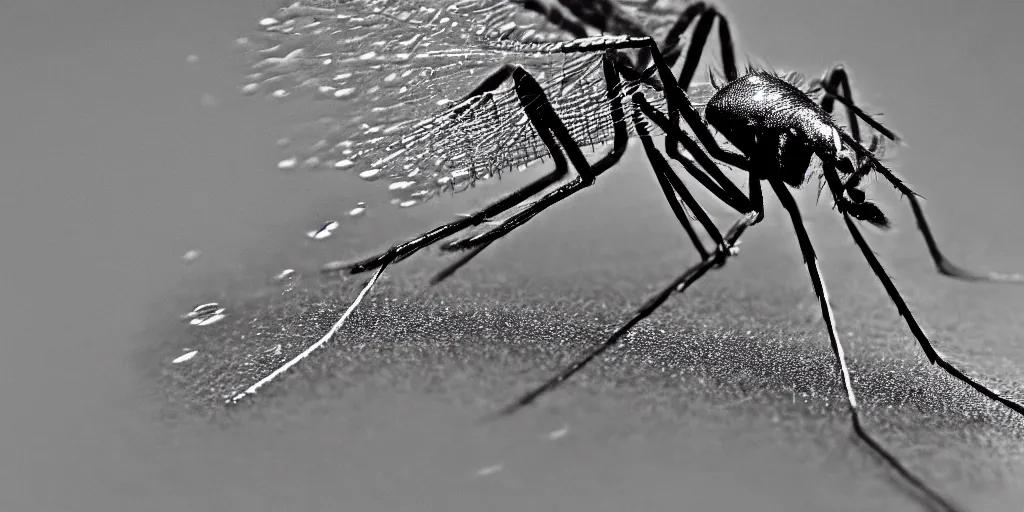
116 165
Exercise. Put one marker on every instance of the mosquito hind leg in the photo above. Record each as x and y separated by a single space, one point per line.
836 85
526 95
789 203
621 139
405 249
678 285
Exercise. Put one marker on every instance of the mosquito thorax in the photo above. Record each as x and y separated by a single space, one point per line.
762 114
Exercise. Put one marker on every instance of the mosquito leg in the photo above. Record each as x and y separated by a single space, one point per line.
697 41
678 285
407 248
670 183
726 195
933 356
836 86
837 349
621 139
942 264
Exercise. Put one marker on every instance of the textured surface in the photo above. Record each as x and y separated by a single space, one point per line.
741 364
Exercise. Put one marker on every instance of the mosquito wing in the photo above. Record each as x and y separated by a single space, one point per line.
397 69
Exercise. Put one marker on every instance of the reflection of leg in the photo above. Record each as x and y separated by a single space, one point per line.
837 349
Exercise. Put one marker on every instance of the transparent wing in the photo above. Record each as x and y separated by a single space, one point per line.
393 68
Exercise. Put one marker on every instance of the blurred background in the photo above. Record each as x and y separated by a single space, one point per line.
125 144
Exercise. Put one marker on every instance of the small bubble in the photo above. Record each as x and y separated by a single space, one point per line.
367 56
358 210
191 255
283 142
341 93
341 164
369 174
185 357
288 163
250 88
406 204
280 93
266 22
192 59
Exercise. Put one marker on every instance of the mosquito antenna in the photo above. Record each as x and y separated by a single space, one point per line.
251 390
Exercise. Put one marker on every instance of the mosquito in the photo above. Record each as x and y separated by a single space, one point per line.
615 83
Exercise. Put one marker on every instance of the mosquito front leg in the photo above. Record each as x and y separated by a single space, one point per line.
836 85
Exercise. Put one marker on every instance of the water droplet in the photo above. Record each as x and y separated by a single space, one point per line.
490 470
341 164
202 310
358 210
401 185
250 88
325 231
406 204
283 142
192 59
185 357
369 174
287 163
341 93
558 434
280 93
367 56
287 278
266 22
205 314
191 255
217 316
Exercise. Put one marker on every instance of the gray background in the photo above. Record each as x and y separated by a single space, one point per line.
114 167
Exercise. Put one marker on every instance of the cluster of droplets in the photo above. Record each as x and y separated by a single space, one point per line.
205 314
